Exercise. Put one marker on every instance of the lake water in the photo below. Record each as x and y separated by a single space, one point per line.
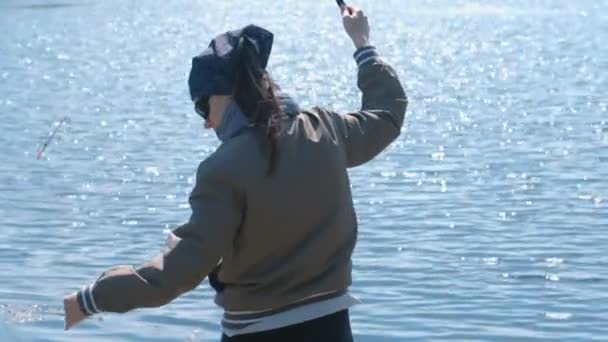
486 221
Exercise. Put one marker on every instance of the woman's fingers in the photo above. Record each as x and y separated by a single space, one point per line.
349 11
356 25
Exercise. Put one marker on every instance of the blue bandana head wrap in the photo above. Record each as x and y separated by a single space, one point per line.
214 70
214 73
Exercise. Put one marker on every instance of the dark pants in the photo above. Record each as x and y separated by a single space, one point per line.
331 328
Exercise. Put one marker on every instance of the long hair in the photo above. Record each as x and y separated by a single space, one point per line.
255 93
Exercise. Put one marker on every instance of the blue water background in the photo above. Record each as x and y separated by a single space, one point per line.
486 221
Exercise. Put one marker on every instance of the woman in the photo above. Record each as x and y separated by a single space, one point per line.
273 224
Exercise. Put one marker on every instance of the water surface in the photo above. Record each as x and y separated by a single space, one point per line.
485 221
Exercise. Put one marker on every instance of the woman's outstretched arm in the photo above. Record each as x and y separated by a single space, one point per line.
188 259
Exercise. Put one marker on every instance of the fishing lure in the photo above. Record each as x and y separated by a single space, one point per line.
51 136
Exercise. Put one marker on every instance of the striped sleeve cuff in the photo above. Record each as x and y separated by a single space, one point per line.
366 55
87 301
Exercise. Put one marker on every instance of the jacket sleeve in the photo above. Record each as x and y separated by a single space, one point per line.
201 243
366 133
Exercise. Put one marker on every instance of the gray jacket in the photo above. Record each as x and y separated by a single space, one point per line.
281 238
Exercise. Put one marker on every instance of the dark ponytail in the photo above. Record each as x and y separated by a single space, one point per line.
255 93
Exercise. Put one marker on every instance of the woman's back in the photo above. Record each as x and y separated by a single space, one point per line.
299 227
